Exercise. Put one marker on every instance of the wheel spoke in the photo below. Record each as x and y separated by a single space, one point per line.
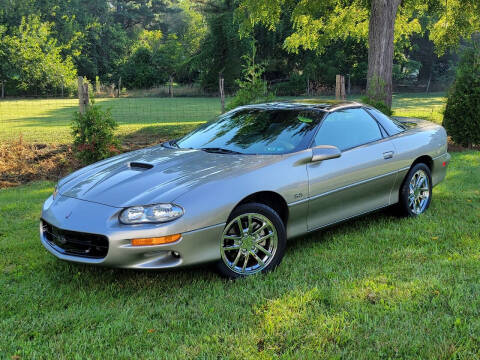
262 249
411 203
264 225
245 262
240 226
263 238
232 237
250 223
259 261
233 247
235 262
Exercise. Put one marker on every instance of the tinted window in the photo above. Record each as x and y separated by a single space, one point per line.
391 125
348 128
256 131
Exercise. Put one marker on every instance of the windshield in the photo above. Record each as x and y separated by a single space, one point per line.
255 131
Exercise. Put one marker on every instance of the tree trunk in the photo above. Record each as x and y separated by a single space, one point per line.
380 50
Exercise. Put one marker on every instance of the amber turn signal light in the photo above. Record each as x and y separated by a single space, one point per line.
156 241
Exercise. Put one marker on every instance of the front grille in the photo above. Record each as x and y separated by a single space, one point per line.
75 243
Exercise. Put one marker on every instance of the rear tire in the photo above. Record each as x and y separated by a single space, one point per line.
253 241
416 191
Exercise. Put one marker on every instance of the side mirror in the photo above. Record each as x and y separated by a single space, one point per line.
325 152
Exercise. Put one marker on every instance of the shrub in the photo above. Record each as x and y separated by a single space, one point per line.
462 113
93 133
380 105
296 85
375 92
252 89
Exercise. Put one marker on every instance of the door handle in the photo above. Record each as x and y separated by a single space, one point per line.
388 155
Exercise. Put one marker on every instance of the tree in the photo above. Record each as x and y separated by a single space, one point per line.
102 48
315 24
34 61
222 48
252 89
153 61
170 58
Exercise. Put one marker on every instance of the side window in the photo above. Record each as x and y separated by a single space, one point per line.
347 129
391 125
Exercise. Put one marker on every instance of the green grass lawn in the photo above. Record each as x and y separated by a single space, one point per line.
375 287
47 121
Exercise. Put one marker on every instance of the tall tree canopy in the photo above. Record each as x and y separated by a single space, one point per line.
316 24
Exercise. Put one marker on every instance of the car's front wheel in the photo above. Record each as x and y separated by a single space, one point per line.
253 241
416 191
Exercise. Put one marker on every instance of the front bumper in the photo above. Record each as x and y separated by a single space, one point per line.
194 247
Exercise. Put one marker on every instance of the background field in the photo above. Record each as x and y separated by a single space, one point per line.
47 120
376 287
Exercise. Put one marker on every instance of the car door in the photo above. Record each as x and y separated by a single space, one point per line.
361 179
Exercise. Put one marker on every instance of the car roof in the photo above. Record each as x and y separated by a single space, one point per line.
318 104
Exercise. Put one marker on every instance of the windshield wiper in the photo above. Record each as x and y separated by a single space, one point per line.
220 150
171 144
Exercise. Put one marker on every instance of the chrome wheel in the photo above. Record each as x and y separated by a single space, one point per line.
249 243
419 192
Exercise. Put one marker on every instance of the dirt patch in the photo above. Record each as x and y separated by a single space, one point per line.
452 147
21 163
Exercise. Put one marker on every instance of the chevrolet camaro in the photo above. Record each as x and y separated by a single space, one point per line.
235 189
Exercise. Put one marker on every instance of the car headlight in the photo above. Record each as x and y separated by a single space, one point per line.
55 192
158 213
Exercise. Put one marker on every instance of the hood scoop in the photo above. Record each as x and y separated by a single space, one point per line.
140 166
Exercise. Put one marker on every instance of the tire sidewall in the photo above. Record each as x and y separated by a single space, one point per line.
404 191
273 216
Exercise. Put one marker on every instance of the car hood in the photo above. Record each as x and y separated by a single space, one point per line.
154 175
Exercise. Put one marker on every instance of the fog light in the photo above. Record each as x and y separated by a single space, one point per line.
156 241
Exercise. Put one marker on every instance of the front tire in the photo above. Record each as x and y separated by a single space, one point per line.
416 191
253 241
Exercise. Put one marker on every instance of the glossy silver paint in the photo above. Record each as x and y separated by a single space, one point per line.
208 186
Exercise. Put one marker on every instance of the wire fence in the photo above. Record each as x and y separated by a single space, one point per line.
146 116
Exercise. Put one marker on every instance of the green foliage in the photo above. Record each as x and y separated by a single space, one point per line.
221 49
315 24
375 95
93 133
34 60
102 49
252 89
153 60
456 20
295 85
377 104
462 113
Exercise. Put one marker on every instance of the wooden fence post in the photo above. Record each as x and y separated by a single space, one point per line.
221 83
81 104
86 95
340 87
83 97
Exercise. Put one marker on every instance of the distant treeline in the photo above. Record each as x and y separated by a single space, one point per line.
45 44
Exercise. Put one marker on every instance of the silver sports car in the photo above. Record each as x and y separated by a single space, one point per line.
235 189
